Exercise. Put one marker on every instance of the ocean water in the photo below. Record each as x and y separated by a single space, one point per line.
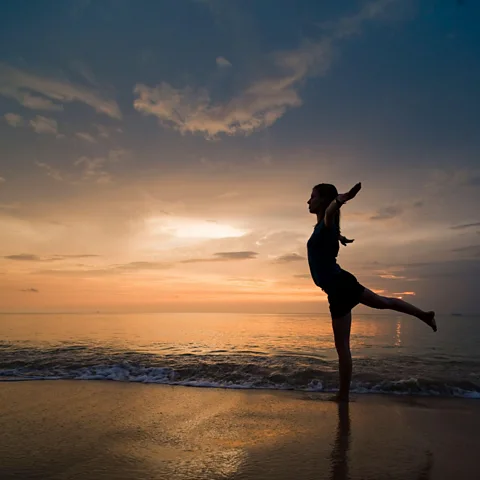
393 354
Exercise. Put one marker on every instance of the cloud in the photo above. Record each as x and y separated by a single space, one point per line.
2 180
289 257
85 72
30 257
94 168
229 194
224 256
13 119
266 159
260 104
274 238
466 225
471 250
449 179
44 125
85 136
216 164
85 273
236 255
386 213
106 132
19 84
90 168
303 275
82 255
51 172
223 62
23 257
144 266
33 290
9 206
115 269
391 276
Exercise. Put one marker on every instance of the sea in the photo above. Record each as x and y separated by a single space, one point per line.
392 353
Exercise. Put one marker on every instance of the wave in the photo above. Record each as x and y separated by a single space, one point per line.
239 371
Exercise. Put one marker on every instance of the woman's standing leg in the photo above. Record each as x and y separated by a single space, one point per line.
341 332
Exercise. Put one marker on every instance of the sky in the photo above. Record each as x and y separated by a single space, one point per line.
158 156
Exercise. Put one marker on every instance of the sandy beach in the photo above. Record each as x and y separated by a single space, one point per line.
99 430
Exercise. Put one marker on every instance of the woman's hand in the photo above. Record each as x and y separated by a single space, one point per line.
345 197
345 241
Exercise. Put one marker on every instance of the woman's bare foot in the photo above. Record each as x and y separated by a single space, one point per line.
429 319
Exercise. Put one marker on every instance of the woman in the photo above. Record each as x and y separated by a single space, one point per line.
343 290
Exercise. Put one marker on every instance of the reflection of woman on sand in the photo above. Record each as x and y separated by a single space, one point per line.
343 290
339 460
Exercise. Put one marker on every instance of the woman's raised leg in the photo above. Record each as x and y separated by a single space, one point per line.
372 300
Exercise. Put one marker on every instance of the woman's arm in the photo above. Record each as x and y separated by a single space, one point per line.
338 202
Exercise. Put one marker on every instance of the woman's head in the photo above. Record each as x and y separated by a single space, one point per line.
322 195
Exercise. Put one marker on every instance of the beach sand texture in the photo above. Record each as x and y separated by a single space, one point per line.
111 430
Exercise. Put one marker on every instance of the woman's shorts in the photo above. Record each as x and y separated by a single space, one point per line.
344 293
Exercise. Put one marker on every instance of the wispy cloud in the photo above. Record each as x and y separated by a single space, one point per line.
223 62
388 212
86 137
24 257
50 93
264 101
107 132
465 225
30 257
88 169
2 180
144 266
391 276
10 206
224 256
94 168
44 125
471 250
448 180
289 257
13 119
85 71
80 273
51 171
31 290
110 270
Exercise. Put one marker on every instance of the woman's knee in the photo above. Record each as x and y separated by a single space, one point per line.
342 347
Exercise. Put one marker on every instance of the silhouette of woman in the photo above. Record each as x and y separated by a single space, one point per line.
343 289
339 458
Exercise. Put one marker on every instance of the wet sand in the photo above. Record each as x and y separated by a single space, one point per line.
110 430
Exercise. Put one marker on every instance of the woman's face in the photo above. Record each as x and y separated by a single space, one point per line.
315 202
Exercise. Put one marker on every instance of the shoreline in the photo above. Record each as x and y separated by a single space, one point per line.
472 396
